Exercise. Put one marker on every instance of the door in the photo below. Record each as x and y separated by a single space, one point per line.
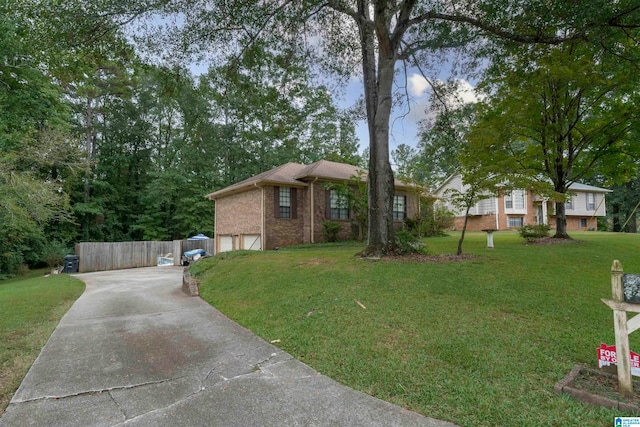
226 243
251 242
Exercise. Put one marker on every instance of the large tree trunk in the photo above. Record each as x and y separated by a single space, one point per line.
561 222
378 86
380 179
464 230
615 216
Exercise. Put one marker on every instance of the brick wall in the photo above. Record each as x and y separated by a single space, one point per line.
284 231
320 216
239 213
476 222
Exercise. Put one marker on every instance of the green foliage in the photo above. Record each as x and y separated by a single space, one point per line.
53 253
433 221
330 230
354 192
557 115
408 243
534 232
443 138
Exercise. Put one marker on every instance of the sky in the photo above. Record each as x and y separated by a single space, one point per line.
405 120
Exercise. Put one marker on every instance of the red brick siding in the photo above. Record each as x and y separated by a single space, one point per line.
476 222
284 231
239 213
321 216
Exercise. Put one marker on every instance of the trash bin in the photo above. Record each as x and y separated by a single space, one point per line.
71 264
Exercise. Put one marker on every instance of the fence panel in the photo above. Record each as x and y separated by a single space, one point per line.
104 256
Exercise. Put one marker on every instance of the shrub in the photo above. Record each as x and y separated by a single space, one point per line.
532 232
330 230
434 221
53 253
22 270
407 243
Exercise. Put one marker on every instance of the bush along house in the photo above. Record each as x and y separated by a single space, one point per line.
288 205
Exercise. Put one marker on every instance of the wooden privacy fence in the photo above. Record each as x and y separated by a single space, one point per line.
103 256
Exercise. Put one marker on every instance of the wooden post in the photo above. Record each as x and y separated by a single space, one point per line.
177 252
622 335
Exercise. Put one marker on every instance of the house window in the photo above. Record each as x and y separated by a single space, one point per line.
514 200
399 208
591 201
515 221
568 205
582 222
338 205
285 202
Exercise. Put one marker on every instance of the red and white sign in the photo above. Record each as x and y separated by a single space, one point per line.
607 357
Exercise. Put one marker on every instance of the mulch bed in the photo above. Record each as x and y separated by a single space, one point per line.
596 387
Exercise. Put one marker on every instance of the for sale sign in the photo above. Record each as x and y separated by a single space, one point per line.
607 357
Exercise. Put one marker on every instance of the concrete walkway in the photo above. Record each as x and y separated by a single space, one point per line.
135 350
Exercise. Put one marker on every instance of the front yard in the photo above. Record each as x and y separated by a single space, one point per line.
480 342
30 309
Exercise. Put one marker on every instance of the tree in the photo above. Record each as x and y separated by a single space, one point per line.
623 206
37 152
479 184
442 141
375 35
556 116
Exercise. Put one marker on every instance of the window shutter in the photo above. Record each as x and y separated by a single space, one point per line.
327 207
276 202
406 208
294 203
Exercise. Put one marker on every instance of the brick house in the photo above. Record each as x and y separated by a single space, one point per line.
513 209
287 206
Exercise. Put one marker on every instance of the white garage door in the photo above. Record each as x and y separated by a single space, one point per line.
251 242
226 243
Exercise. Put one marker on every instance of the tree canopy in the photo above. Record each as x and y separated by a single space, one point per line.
558 115
371 37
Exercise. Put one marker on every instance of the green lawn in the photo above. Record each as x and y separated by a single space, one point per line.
479 342
30 309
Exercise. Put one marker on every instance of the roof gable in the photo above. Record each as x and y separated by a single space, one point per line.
297 175
330 170
283 175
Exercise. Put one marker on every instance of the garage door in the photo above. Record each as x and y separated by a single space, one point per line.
226 243
251 242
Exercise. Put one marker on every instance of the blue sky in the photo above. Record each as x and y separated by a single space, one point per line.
405 119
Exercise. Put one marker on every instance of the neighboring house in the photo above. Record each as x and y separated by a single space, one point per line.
513 209
287 206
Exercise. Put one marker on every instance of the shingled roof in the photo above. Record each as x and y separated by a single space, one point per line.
297 175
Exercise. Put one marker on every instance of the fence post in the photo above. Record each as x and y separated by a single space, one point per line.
622 336
177 252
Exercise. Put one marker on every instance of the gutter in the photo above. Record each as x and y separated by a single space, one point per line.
262 242
312 208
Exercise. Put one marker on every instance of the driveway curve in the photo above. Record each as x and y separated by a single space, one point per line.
135 350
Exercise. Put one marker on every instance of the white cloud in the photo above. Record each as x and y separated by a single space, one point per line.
418 85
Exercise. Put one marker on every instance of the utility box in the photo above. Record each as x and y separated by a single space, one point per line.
71 264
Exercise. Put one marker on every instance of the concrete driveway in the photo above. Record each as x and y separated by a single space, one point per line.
135 350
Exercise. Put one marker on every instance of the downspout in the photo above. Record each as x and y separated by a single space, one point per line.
497 213
312 213
262 242
216 242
